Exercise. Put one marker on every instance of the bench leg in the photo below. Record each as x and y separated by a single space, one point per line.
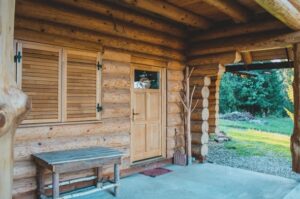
55 185
116 178
40 181
99 177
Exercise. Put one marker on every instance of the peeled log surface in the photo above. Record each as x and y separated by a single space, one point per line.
126 15
282 10
238 29
205 114
205 92
174 108
64 16
115 67
172 12
175 86
176 75
200 138
223 58
200 81
173 96
204 150
149 61
199 127
202 103
57 30
237 12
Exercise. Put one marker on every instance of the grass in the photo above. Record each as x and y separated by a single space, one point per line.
250 139
273 125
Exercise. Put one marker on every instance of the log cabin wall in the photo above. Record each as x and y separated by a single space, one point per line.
85 25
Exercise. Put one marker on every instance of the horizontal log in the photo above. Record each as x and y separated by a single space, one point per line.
238 29
199 127
126 15
174 86
172 12
174 119
200 138
200 150
43 11
202 103
175 75
115 67
112 82
28 35
261 41
24 150
173 96
176 65
148 61
116 111
200 81
173 131
233 9
118 97
174 108
221 58
110 126
58 30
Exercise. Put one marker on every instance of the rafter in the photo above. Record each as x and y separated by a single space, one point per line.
282 10
230 8
171 11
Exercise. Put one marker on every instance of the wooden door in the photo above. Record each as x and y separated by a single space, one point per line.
146 139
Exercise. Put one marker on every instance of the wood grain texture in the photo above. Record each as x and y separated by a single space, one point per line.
282 10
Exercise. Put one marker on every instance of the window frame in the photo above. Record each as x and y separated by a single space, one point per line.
62 78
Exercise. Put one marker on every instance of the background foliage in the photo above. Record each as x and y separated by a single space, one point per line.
263 93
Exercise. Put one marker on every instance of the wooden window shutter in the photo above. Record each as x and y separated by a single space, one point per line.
40 77
82 86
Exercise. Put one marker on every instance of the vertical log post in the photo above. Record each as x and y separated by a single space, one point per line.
13 102
295 138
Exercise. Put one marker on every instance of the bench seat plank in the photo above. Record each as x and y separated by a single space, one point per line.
77 155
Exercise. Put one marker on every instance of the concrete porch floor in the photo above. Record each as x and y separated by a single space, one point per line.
208 181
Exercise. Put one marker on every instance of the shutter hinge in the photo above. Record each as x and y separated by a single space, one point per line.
99 66
18 57
99 108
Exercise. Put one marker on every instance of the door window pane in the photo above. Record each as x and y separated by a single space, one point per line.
146 79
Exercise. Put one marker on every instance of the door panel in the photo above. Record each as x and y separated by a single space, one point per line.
146 115
153 100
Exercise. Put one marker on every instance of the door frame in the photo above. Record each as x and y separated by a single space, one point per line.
163 81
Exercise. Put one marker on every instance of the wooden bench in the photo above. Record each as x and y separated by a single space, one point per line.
74 160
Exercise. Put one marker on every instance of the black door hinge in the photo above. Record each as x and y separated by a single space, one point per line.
99 108
99 66
18 57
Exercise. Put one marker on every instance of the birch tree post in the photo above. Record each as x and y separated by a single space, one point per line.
13 102
186 100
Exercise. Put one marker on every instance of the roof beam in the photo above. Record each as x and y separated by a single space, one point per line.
258 66
230 8
282 10
237 30
170 11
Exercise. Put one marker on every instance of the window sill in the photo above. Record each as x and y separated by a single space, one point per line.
60 123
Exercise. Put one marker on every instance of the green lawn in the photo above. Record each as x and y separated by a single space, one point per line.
276 125
250 139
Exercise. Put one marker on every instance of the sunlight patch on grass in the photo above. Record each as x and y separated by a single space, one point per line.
249 142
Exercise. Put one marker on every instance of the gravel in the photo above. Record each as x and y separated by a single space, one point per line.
269 164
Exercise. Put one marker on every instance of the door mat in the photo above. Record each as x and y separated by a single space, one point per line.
156 172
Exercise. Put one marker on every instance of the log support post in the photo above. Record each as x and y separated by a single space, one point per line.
13 102
295 138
